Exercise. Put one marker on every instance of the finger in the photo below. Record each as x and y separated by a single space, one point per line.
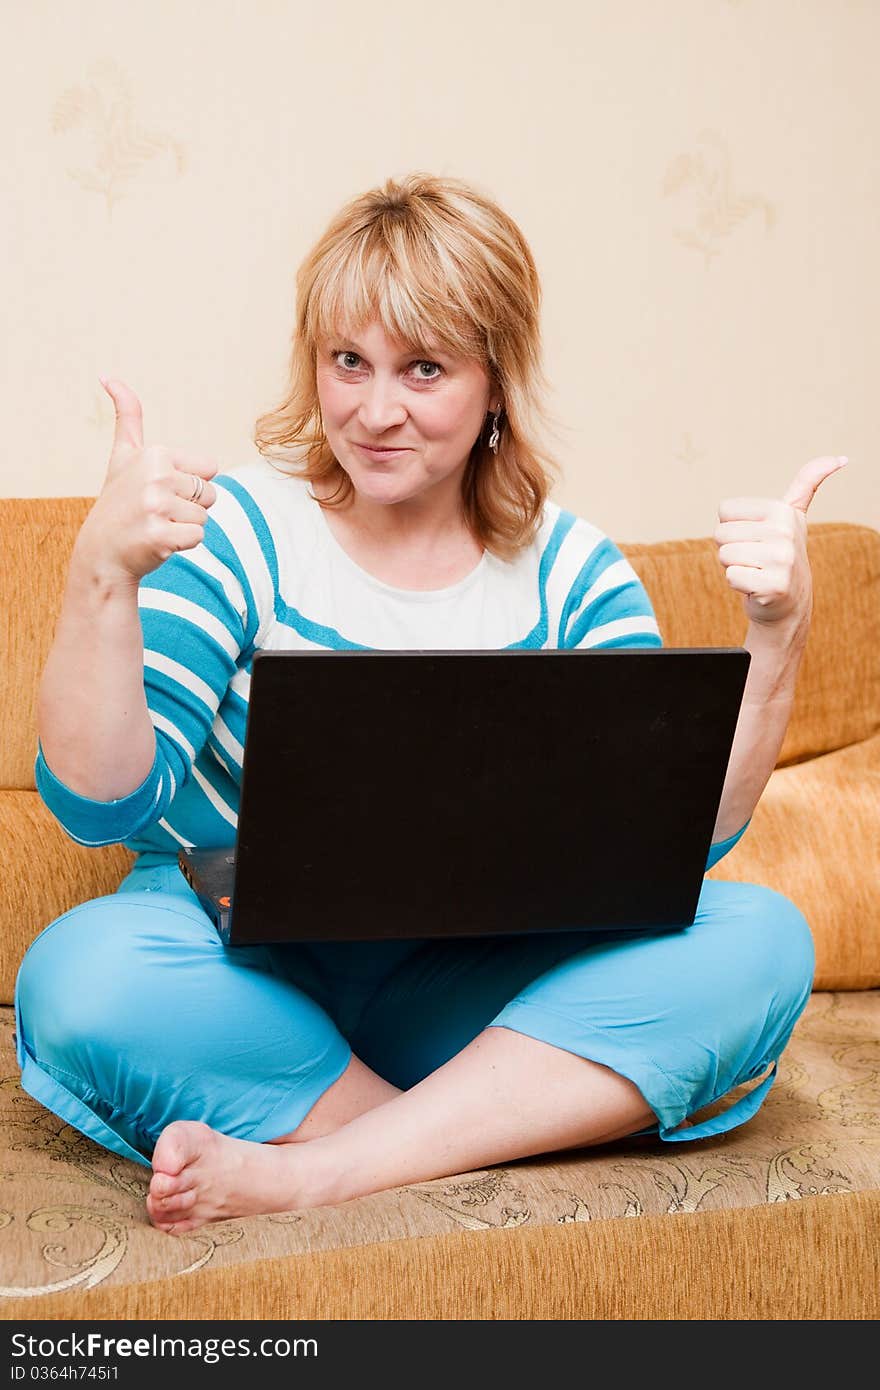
755 553
802 489
750 509
191 485
746 580
188 513
744 531
184 535
129 428
201 464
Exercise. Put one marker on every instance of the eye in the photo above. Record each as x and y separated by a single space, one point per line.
425 363
348 367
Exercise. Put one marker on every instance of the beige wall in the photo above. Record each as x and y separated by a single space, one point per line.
698 180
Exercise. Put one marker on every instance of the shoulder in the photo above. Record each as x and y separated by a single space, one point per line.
256 501
256 483
592 594
559 518
571 542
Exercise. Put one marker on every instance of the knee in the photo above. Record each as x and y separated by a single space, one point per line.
64 985
775 941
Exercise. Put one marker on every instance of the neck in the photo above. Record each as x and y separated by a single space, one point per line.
427 519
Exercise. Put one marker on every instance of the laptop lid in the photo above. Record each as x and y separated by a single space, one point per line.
458 793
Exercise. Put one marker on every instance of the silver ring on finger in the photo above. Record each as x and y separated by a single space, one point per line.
198 489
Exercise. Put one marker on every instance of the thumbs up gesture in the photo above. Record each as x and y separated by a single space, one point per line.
153 501
762 545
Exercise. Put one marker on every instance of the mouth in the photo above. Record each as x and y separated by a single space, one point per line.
380 453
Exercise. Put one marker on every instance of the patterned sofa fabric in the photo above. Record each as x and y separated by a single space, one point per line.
75 1242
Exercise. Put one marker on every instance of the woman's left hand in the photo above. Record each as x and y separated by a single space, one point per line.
762 544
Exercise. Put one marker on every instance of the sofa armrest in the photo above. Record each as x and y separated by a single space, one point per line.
814 837
44 874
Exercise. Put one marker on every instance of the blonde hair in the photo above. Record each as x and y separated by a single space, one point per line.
429 256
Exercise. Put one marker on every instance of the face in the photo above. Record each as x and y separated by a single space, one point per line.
374 392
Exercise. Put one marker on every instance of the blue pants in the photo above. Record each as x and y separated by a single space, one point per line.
131 1013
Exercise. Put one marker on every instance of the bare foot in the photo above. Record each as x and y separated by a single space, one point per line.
200 1175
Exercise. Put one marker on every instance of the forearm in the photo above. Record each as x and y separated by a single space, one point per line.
92 718
776 651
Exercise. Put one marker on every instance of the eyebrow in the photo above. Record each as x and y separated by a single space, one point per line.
409 352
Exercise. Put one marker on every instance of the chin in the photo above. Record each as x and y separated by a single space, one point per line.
379 483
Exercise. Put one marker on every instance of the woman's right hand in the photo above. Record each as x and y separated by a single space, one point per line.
143 513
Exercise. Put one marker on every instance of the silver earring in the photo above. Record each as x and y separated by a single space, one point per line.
495 435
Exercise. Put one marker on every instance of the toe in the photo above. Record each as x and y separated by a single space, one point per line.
164 1208
155 1209
164 1185
179 1143
179 1203
160 1222
179 1228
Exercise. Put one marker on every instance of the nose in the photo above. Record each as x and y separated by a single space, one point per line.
381 406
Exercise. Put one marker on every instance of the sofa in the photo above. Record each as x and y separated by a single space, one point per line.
777 1219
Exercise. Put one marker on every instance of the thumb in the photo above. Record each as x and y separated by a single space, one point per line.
129 428
803 487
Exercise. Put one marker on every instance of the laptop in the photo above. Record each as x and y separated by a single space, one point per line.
391 794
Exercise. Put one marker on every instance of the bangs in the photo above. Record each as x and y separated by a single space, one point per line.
376 275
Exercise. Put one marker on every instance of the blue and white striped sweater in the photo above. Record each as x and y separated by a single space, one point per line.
271 575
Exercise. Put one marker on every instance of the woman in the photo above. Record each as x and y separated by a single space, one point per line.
414 512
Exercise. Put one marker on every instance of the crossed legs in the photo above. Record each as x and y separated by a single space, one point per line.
504 1096
493 1046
